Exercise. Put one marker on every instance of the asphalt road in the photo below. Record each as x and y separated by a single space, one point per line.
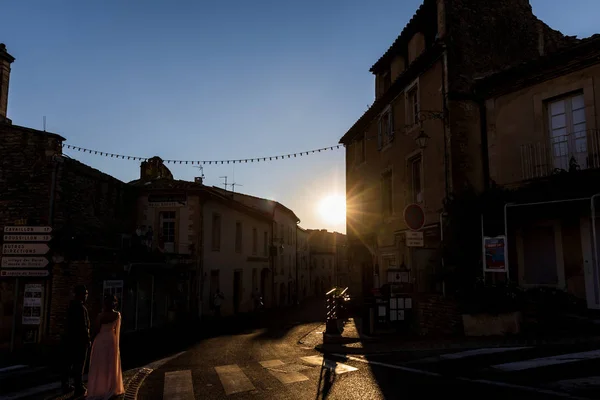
268 363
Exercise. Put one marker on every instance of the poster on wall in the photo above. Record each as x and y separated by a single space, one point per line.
494 254
32 304
114 287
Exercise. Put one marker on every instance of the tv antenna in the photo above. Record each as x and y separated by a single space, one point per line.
233 185
225 182
201 168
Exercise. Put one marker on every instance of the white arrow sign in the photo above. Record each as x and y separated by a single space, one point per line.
25 248
27 238
24 262
27 229
24 273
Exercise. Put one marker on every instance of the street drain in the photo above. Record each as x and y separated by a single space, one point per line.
135 383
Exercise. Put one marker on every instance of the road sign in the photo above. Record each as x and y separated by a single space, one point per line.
24 262
27 229
27 238
17 273
414 216
25 248
414 239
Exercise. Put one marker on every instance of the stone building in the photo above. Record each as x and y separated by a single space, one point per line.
328 255
87 211
302 261
542 147
282 245
422 139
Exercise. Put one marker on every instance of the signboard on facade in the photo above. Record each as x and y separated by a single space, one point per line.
414 239
25 248
32 304
24 262
167 200
27 229
414 216
115 288
494 254
27 238
24 273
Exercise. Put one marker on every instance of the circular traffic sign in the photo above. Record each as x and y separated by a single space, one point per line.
414 216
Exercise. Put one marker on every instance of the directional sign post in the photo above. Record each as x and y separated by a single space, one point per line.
25 248
24 262
27 238
16 273
27 229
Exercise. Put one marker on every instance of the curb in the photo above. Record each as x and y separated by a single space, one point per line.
300 341
329 349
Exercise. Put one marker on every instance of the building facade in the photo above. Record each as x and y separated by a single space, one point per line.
542 148
421 140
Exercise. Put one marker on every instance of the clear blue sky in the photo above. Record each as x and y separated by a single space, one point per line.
214 80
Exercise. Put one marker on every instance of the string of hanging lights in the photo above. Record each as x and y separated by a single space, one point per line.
204 162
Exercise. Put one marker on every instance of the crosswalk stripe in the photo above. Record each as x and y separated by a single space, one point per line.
329 364
547 361
233 379
278 370
178 385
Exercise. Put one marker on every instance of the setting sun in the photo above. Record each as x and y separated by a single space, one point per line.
333 209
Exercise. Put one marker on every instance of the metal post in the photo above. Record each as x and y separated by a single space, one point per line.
483 246
137 301
152 301
14 323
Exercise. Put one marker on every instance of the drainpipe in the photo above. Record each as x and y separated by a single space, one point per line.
297 285
56 159
594 238
506 241
485 155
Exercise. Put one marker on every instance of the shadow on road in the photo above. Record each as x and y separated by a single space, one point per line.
282 321
327 379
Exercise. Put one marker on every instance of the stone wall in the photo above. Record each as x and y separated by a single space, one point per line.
437 316
65 276
488 36
25 173
93 207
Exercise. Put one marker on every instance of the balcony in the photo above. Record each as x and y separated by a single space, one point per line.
579 150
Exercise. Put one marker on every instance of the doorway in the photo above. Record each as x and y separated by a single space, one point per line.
590 268
237 290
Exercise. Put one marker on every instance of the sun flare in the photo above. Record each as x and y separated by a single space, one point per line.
333 209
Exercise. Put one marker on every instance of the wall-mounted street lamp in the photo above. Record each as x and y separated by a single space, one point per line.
422 140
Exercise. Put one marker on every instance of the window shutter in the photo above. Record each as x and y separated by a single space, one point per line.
391 131
379 135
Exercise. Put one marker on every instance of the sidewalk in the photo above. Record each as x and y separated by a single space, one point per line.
353 342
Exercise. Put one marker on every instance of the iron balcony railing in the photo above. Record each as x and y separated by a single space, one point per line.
579 150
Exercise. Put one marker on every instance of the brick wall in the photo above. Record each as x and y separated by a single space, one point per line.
437 316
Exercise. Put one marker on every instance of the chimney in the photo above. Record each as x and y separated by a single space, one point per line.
199 179
5 61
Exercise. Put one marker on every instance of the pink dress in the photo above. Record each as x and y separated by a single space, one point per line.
105 378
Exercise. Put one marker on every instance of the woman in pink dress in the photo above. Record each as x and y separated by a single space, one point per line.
105 378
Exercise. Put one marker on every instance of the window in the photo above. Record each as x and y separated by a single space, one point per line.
412 106
568 131
416 175
360 150
385 133
265 244
330 263
167 230
386 81
254 241
238 237
216 232
281 235
387 196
